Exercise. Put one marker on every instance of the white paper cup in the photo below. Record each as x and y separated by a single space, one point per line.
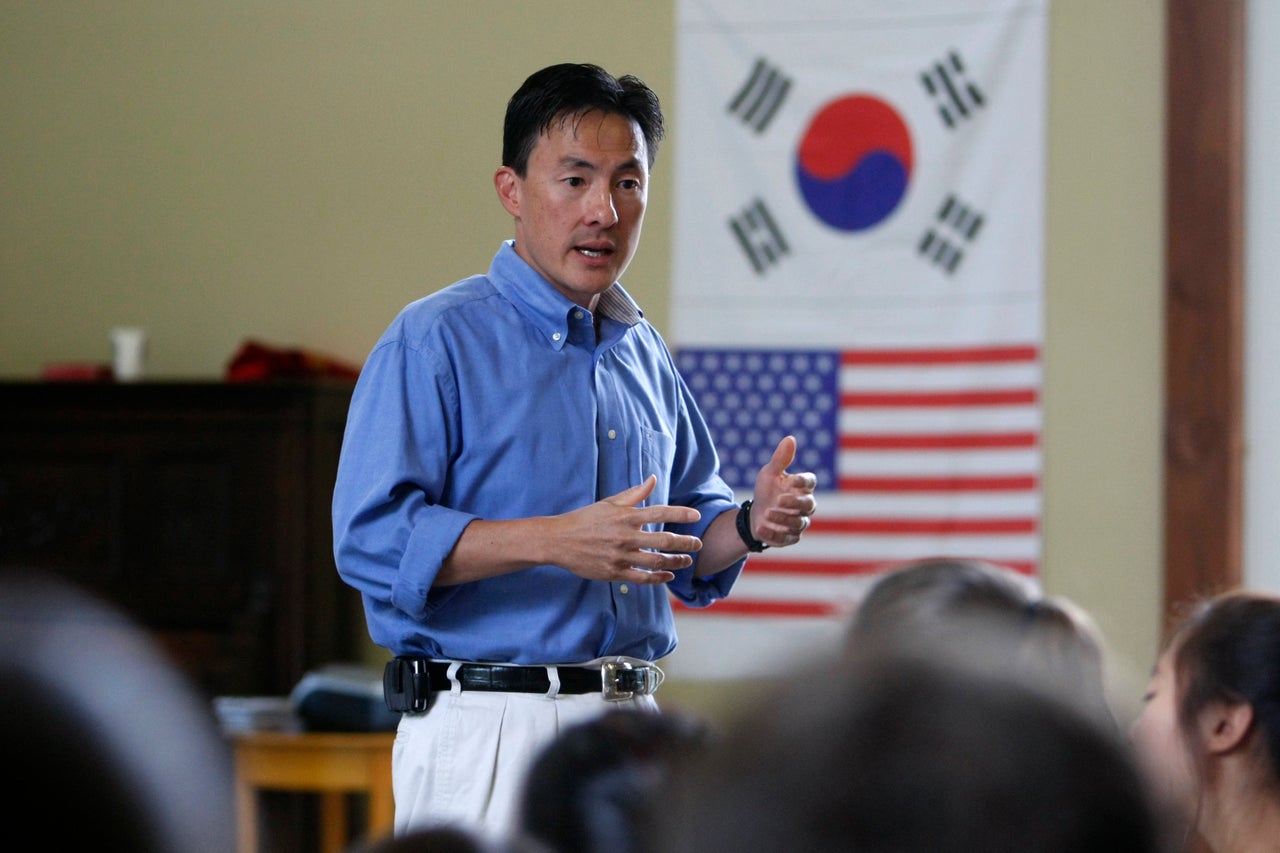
128 352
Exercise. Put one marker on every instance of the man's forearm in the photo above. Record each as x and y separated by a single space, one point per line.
721 545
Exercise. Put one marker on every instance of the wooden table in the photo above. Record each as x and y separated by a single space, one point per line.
331 764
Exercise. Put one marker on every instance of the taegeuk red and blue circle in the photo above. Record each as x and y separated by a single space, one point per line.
853 164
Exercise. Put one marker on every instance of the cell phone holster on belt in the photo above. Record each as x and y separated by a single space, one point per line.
406 685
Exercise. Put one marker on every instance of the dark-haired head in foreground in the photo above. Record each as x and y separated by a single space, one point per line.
1209 732
891 753
598 785
986 615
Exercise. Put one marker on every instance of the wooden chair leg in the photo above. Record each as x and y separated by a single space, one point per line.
382 805
246 817
333 822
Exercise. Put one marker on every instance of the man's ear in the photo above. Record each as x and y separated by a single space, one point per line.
507 184
1225 725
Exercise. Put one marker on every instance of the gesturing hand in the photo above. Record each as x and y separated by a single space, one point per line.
607 541
783 503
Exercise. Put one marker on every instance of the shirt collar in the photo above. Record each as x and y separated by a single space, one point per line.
547 307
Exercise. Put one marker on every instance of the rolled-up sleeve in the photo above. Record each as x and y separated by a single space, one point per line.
390 535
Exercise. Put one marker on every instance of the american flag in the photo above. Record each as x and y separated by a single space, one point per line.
919 452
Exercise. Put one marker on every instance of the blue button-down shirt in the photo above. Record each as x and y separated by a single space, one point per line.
493 399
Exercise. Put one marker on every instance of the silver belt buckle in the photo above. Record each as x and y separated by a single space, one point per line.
646 680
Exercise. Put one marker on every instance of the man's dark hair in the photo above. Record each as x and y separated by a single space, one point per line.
570 91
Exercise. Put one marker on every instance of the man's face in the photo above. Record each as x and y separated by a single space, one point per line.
580 205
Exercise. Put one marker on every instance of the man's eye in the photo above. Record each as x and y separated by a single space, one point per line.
629 184
574 181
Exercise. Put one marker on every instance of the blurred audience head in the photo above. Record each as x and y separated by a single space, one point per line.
116 749
987 615
891 752
597 786
1209 731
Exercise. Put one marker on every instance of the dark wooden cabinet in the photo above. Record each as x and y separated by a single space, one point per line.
200 508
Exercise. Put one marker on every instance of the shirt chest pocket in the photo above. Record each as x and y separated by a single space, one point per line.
656 454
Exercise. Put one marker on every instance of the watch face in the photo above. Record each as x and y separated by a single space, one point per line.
858 261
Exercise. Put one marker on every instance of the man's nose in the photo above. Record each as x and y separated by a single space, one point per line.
601 211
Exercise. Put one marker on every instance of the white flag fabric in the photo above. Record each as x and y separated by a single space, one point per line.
858 261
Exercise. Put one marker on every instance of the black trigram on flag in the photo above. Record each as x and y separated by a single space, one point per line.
956 96
759 236
962 223
759 98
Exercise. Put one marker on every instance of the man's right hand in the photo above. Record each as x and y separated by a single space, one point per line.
603 541
607 541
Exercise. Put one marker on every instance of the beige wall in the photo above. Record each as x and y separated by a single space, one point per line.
1105 321
297 171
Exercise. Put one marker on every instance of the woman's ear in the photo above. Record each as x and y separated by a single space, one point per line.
507 184
1224 726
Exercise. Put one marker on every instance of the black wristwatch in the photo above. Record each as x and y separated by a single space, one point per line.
753 544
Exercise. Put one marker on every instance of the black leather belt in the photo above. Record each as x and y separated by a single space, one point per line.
408 682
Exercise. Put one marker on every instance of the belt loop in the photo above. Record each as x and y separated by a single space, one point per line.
553 676
455 684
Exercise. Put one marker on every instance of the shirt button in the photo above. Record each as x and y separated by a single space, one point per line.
556 336
613 433
577 315
624 589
